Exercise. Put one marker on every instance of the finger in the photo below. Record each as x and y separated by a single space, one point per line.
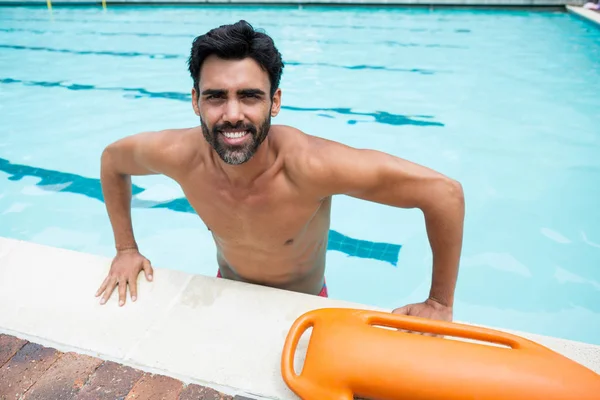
403 310
102 287
148 270
122 291
133 288
112 282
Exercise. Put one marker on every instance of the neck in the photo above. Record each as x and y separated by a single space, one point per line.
244 175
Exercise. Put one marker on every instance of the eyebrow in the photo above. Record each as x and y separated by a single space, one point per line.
213 92
251 91
239 92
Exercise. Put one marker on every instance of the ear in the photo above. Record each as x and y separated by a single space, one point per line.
195 101
276 103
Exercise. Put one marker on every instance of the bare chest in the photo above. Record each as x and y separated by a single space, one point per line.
271 216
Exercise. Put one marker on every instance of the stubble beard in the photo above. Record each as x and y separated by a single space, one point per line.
234 154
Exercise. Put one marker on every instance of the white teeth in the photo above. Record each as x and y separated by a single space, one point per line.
234 135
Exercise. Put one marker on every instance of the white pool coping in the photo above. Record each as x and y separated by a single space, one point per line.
218 333
592 16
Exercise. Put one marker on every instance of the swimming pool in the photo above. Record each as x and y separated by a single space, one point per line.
504 101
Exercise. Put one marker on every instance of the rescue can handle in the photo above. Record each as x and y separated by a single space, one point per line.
291 343
447 328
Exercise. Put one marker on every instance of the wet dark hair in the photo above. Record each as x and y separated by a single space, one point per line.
237 41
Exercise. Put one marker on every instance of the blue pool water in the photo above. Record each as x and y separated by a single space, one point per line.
506 102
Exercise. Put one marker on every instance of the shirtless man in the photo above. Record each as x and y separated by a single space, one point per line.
265 191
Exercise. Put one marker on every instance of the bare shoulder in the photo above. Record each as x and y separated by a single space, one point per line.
308 159
294 146
299 146
325 167
178 146
167 151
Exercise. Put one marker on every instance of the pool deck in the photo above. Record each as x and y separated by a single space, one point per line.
589 15
183 331
377 3
30 371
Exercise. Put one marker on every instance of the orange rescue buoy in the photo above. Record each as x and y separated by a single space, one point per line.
351 353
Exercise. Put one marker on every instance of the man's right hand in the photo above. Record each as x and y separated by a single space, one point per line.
124 271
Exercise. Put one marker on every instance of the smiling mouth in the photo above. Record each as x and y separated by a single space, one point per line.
234 136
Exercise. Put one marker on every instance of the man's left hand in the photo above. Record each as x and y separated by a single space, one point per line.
428 309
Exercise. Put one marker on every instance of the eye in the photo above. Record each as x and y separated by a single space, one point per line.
251 96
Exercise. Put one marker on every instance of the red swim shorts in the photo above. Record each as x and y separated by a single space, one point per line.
322 293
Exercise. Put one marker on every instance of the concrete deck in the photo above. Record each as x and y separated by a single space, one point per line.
199 330
589 15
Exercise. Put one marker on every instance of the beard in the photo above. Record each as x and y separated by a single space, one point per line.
236 154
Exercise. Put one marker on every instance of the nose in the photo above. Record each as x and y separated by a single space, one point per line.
233 112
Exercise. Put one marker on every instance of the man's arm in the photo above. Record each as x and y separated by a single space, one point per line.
380 177
141 154
133 155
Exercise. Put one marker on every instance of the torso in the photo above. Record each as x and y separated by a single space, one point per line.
273 233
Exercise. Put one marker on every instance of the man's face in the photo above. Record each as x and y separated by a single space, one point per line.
234 107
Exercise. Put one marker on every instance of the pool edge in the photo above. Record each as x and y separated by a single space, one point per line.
491 4
178 320
587 15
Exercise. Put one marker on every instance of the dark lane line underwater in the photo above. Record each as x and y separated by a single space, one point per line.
381 117
58 181
165 56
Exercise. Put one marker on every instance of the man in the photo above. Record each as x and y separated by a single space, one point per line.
265 191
